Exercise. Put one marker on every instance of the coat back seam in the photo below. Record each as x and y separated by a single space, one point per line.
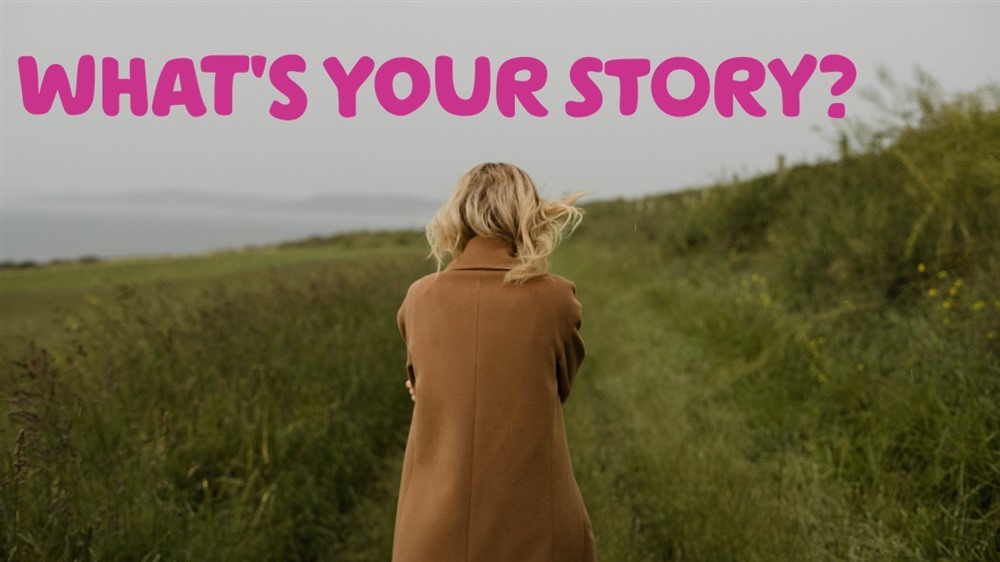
475 401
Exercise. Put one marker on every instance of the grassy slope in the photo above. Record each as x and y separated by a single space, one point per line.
797 367
803 367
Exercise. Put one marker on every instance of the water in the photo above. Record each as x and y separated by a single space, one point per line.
67 231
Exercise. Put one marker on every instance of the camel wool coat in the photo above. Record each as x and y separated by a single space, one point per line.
486 474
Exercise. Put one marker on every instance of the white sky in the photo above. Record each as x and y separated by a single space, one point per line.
425 153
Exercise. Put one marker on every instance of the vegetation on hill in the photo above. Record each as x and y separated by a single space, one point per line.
801 366
805 365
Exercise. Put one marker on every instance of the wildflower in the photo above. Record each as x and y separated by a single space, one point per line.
991 335
921 267
861 367
932 292
942 274
952 291
978 305
946 304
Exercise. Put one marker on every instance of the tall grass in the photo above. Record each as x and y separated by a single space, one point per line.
805 365
244 428
801 366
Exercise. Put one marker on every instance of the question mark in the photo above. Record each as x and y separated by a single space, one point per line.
848 73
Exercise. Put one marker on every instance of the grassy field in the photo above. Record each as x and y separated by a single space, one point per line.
29 296
801 366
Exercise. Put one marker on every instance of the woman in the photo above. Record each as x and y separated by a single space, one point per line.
493 347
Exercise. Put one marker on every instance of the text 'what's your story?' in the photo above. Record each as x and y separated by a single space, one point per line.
512 83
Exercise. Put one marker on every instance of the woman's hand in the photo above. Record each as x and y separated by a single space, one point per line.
409 387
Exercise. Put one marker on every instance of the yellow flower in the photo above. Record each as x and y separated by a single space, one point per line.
861 367
942 274
952 291
946 304
979 305
932 292
991 335
921 267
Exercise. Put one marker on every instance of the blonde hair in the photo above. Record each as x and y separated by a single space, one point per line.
498 200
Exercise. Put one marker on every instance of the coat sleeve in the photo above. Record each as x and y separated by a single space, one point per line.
401 324
571 351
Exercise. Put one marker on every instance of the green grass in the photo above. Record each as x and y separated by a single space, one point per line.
802 366
246 427
36 301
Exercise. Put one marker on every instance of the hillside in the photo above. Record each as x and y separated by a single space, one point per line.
801 366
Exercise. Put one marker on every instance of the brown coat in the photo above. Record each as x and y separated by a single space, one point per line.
487 474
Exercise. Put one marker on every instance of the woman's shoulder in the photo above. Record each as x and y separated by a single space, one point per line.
422 284
548 283
561 299
558 283
437 282
559 292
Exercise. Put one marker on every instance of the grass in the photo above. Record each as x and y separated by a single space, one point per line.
245 427
37 300
801 366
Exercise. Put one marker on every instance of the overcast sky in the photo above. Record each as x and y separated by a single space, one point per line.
425 152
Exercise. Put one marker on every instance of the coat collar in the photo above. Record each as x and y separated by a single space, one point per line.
485 253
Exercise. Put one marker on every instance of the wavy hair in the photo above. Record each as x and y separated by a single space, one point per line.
499 200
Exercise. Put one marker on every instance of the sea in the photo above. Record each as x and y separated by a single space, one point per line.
68 230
